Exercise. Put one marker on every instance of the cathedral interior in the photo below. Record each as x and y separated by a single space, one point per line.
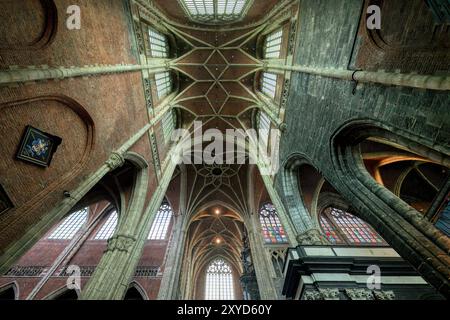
343 191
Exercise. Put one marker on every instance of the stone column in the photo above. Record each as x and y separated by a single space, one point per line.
15 76
172 269
267 289
115 271
432 82
110 278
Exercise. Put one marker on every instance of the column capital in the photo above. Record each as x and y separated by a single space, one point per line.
115 160
311 237
121 242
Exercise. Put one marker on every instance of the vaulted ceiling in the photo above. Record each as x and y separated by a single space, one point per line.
217 69
257 11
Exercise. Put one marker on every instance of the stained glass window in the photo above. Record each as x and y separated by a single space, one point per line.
219 281
159 47
163 84
215 11
70 226
161 222
272 47
269 84
330 231
108 228
341 227
273 231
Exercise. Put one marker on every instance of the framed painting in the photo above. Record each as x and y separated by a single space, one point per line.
5 202
37 147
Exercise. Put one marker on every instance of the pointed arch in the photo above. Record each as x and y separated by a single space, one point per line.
219 280
10 291
135 289
399 223
63 293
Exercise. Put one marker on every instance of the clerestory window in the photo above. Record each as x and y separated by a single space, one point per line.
216 11
70 226
272 47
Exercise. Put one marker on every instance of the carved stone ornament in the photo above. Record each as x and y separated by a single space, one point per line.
329 293
312 295
359 294
121 243
384 295
311 237
116 160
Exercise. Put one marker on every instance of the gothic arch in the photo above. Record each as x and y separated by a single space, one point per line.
135 158
11 286
294 200
398 223
135 285
61 292
214 203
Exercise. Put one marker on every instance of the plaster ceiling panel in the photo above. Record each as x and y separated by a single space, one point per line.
234 106
217 96
237 72
195 56
195 90
198 106
197 72
236 56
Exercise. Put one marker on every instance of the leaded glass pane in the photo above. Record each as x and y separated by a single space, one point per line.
163 84
70 226
158 44
272 47
269 84
168 125
161 223
219 281
215 11
108 228
351 229
273 231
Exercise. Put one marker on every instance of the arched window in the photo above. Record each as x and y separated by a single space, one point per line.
341 227
272 47
264 128
70 226
219 281
269 84
108 228
168 125
163 84
272 229
159 47
161 223
215 11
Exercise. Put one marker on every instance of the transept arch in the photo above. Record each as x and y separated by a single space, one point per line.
401 225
